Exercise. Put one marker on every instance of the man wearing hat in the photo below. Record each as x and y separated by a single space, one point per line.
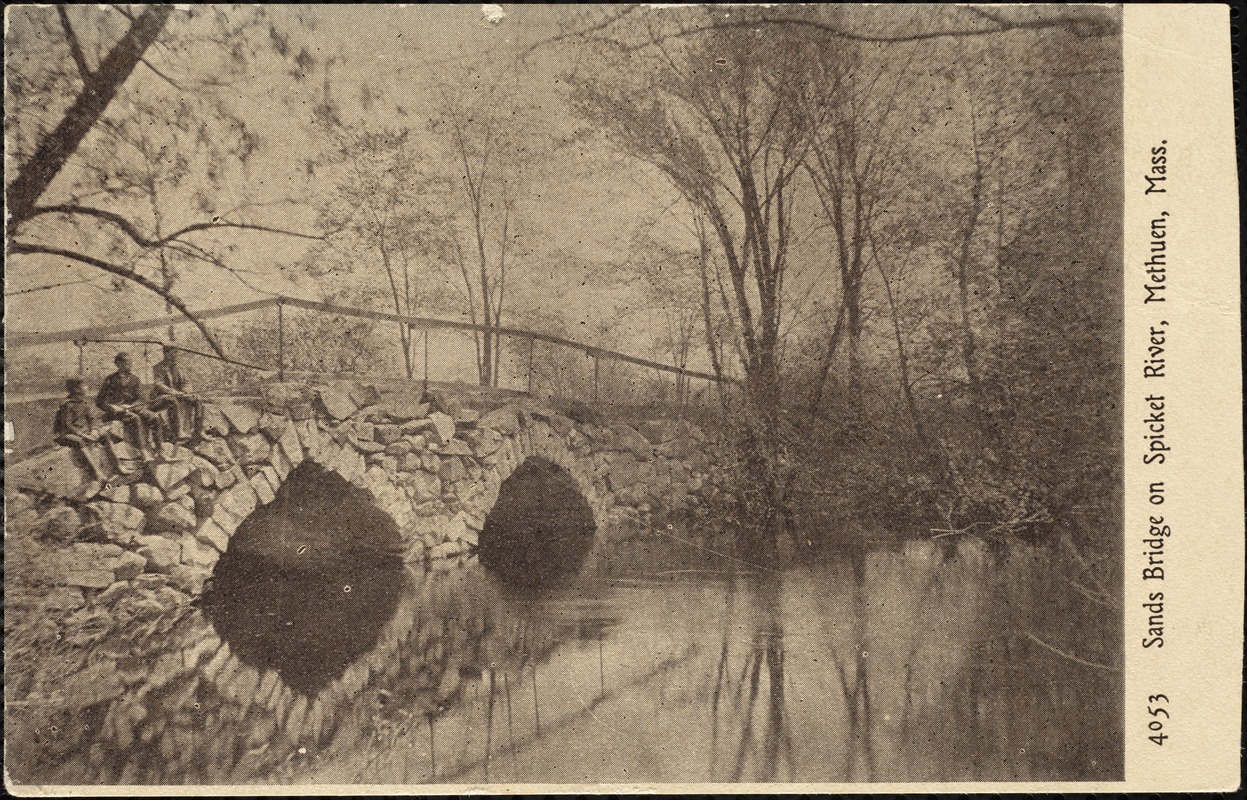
121 398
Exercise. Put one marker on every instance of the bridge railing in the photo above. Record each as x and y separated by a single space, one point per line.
596 374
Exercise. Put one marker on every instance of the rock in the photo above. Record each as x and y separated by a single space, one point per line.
448 549
443 429
167 475
243 417
291 446
88 578
60 523
272 425
397 449
214 421
216 451
174 452
658 431
415 426
561 424
387 434
172 517
57 472
117 494
211 533
128 566
146 495
189 579
263 489
679 448
363 394
240 501
197 554
426 487
430 462
336 404
364 431
368 447
159 553
118 519
225 479
456 447
64 598
466 416
451 470
627 438
178 492
623 472
250 448
505 420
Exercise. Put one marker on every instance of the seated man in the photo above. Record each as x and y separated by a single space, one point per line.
74 424
120 397
171 391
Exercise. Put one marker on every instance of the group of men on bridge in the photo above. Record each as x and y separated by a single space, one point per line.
171 414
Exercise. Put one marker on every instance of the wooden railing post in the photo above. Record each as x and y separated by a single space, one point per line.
530 364
281 343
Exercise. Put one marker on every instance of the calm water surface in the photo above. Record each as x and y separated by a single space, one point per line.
946 660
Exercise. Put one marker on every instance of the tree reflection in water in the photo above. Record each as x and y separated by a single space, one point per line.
915 663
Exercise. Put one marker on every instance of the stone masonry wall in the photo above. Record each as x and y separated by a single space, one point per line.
163 521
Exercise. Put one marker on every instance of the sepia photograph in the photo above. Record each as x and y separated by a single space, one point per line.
501 396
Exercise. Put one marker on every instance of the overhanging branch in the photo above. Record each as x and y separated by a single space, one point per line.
124 272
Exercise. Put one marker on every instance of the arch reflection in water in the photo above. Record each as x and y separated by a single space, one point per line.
308 580
541 528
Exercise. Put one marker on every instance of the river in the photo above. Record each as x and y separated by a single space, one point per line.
662 660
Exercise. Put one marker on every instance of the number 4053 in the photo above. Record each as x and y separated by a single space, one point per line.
1156 709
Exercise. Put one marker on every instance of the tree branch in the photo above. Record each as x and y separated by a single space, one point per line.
55 149
142 240
127 273
75 47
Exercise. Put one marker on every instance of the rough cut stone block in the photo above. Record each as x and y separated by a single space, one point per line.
290 445
279 464
118 519
263 489
214 420
273 425
443 428
243 417
128 566
159 553
211 533
88 579
336 404
251 448
117 494
216 451
455 447
240 500
387 434
505 420
197 554
172 517
415 426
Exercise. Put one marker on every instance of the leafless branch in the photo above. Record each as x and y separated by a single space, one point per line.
124 272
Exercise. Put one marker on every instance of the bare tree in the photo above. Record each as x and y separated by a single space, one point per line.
75 169
493 142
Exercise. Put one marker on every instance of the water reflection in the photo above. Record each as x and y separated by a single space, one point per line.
540 529
307 581
915 663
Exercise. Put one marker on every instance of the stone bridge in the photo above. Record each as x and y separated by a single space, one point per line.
434 462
